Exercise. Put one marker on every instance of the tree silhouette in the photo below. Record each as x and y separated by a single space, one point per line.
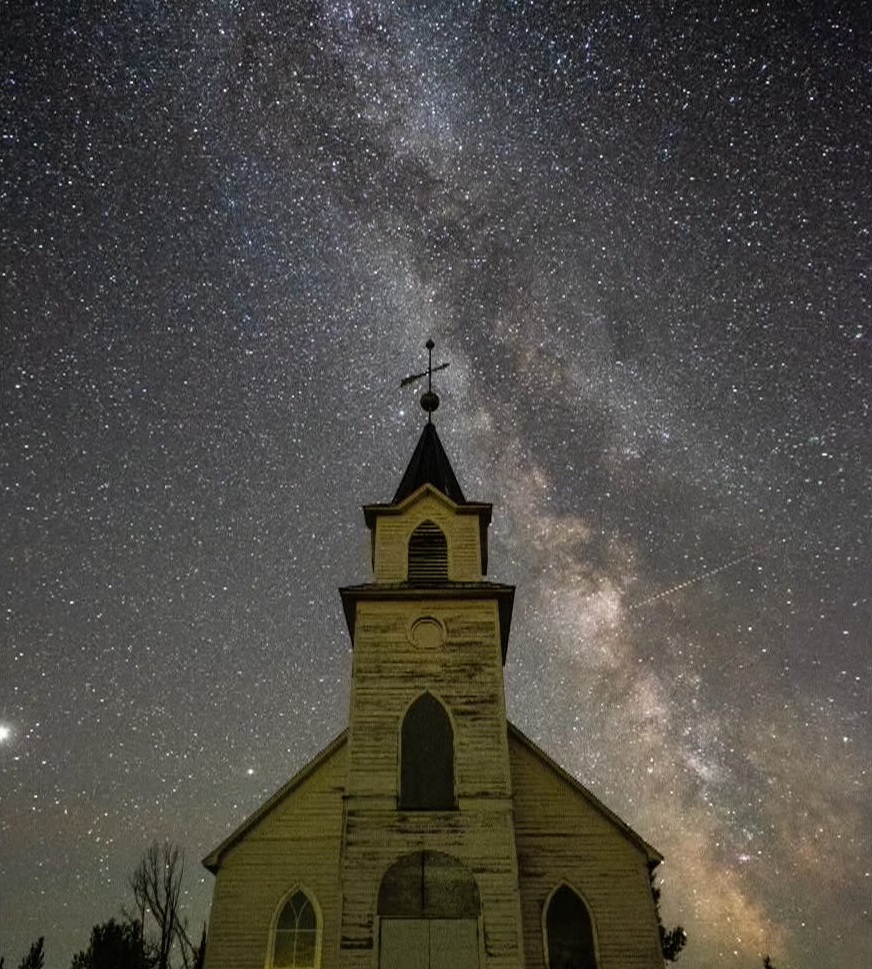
156 883
673 940
35 958
157 887
115 945
200 955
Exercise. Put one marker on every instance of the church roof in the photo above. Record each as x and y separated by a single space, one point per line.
429 465
652 855
213 860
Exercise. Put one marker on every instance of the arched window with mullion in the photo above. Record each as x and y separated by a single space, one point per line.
296 940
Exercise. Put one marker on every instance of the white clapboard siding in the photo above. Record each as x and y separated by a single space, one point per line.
564 835
465 673
294 841
392 533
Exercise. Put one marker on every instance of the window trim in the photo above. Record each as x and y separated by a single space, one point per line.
447 711
274 922
565 883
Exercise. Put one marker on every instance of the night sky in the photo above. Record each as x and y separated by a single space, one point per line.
639 233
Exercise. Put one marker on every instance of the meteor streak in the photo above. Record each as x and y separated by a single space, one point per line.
694 579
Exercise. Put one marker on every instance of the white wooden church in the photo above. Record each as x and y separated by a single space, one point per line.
432 834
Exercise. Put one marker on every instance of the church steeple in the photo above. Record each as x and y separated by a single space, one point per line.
429 491
430 540
428 794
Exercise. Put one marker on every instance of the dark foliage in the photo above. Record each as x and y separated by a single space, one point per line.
115 945
200 957
35 959
672 941
121 944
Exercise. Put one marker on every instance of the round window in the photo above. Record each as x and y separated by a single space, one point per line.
427 632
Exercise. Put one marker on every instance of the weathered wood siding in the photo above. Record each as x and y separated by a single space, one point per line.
392 533
465 674
560 837
296 844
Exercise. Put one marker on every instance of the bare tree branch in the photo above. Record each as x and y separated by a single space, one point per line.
157 887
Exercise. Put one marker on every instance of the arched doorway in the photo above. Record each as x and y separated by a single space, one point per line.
428 907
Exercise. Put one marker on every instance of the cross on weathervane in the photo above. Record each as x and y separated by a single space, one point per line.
429 399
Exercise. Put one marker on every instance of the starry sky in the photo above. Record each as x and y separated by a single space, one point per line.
639 233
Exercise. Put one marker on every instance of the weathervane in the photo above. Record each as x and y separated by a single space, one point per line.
429 399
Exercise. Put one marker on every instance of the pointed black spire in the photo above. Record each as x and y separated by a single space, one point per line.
430 465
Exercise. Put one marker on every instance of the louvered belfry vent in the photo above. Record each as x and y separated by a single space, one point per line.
428 554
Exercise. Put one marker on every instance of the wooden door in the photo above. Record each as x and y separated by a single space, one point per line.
429 944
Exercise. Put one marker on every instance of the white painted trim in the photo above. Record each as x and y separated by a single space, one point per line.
436 696
565 883
319 923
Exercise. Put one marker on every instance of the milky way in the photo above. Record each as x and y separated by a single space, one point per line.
639 233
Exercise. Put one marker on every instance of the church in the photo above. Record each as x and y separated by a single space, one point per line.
431 833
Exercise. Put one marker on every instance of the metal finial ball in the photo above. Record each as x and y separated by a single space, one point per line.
429 401
429 344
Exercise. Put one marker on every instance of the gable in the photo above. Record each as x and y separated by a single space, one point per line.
566 836
539 779
428 495
322 778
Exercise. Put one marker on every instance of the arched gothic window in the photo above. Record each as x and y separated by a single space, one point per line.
428 554
295 945
569 931
426 757
428 906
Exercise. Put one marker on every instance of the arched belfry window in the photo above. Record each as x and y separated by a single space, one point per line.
426 757
428 554
428 907
569 932
296 942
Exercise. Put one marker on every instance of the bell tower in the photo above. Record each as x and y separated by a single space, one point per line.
428 865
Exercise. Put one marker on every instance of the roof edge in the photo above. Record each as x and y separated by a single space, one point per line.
651 853
481 508
213 860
